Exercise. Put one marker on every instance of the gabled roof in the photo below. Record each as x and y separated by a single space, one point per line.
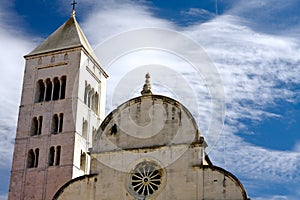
68 35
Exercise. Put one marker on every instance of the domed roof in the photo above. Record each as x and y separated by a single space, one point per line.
146 121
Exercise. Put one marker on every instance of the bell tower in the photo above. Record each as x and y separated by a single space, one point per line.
62 105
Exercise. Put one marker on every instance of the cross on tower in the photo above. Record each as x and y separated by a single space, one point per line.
73 5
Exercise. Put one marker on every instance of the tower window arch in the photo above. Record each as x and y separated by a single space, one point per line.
36 153
51 156
96 103
56 88
84 128
40 122
57 123
63 87
36 126
54 128
82 161
89 96
57 156
61 122
54 156
48 90
40 91
30 159
86 94
33 158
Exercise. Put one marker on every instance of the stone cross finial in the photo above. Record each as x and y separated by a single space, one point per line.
73 7
147 86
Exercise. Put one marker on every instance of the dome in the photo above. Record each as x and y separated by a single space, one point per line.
147 121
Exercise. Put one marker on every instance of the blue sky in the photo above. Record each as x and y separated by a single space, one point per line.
254 44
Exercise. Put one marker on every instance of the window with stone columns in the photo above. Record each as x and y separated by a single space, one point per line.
61 122
63 87
54 156
36 153
84 128
36 126
82 161
57 156
48 96
47 90
40 91
51 156
91 98
57 123
33 158
56 88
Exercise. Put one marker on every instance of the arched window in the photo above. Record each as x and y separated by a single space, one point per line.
96 103
54 127
63 87
40 123
82 161
54 156
89 97
51 156
34 126
85 93
92 101
33 158
57 156
40 91
84 128
56 88
57 123
30 159
48 90
36 152
61 122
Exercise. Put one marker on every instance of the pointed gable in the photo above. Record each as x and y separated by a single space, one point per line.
68 35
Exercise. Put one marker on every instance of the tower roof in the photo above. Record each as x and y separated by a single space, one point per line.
68 35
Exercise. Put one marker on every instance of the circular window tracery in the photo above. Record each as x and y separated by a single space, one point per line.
146 179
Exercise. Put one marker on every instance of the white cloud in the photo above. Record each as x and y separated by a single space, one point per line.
297 147
276 197
3 197
109 18
197 12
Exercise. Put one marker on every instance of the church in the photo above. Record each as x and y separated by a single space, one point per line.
149 147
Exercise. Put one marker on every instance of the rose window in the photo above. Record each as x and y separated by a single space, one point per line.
146 179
